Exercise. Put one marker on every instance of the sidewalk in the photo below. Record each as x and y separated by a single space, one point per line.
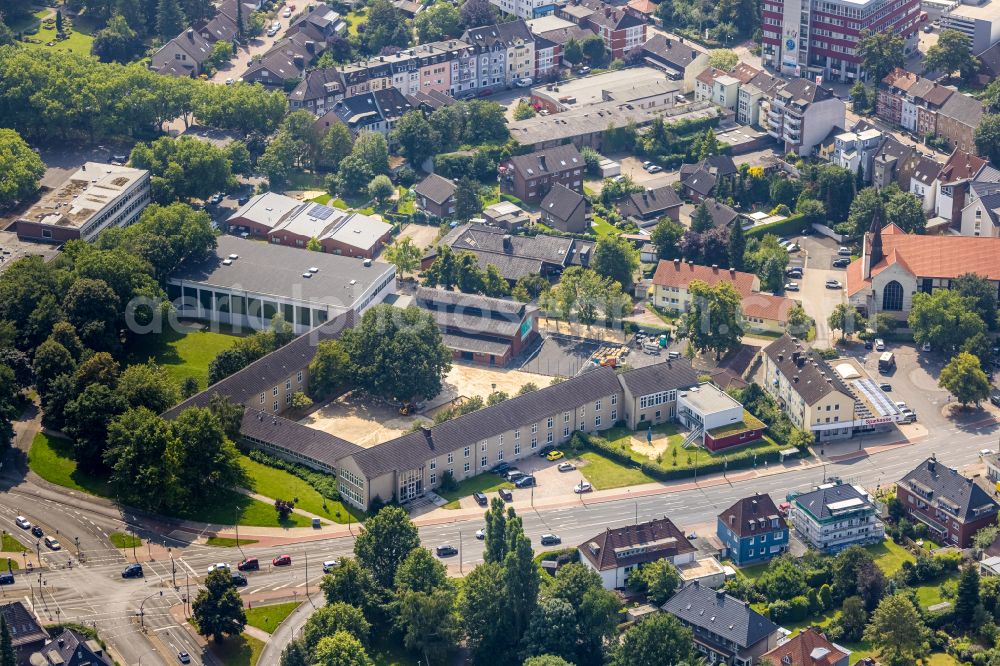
287 630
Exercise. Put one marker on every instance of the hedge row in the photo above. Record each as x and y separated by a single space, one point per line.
325 484
794 224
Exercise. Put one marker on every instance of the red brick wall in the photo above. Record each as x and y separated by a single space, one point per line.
33 231
713 444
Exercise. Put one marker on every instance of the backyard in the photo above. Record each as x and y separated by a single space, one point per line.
79 34
183 353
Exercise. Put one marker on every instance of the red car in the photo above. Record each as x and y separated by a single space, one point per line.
282 561
486 92
249 564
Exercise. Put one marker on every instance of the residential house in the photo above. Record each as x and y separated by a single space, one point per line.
530 177
71 648
615 553
887 163
376 111
895 265
989 65
515 256
651 392
957 121
926 107
716 420
682 61
979 216
699 180
722 215
835 516
435 196
26 631
318 91
752 531
718 87
183 55
923 171
319 21
802 114
285 62
813 395
648 206
752 94
726 629
891 93
951 191
495 57
506 215
856 150
952 506
620 29
809 648
565 210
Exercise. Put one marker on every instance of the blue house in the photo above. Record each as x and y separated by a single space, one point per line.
752 531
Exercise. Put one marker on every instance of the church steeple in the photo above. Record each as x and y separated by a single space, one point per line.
876 232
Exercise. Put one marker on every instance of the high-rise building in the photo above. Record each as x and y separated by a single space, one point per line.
820 37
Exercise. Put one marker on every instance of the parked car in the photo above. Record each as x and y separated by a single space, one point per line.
545 451
244 198
282 561
239 580
525 482
183 657
844 251
515 475
791 286
885 387
551 540
480 499
928 29
554 455
566 467
446 550
317 523
501 469
272 31
6 578
655 169
985 452
481 534
995 399
793 247
287 13
925 347
833 284
868 344
133 570
783 509
582 487
879 344
52 544
23 522
584 70
842 262
523 83
485 92
329 565
216 198
249 564
37 531
119 160
218 565
794 272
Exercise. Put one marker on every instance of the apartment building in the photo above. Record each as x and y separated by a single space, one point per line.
805 38
925 107
530 177
835 516
615 553
525 9
952 506
95 197
620 29
375 111
318 91
650 393
802 114
420 69
752 531
979 22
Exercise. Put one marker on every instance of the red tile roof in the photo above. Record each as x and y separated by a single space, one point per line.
800 651
681 274
900 78
960 166
767 306
931 257
636 544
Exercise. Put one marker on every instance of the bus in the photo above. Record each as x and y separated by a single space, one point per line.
886 362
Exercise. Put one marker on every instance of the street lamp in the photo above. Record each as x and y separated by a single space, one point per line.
238 545
142 613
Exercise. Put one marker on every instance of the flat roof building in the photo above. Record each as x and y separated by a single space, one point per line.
645 87
94 198
980 23
835 516
245 283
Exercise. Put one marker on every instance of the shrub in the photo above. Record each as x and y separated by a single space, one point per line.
325 484
795 609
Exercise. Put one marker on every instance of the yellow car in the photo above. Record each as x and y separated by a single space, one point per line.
554 455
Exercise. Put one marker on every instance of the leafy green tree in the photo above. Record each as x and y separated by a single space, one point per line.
51 361
616 259
467 201
714 318
813 211
596 609
352 584
944 319
987 137
87 419
494 283
951 53
833 186
437 22
982 294
486 633
381 188
335 144
524 110
242 107
148 385
572 51
846 319
520 578
853 619
861 97
495 539
328 620
386 27
783 579
737 245
658 580
20 168
404 255
116 42
898 631
594 50
420 572
164 236
207 461
279 158
665 236
724 59
880 52
845 570
867 205
551 630
432 625
218 609
136 453
183 168
387 539
661 639
341 649
547 660
904 210
965 379
485 123
477 13
170 20
417 139
799 322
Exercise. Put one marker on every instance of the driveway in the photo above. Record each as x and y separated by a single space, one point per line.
237 67
632 167
817 300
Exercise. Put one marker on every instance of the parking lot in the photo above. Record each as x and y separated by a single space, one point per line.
550 482
817 255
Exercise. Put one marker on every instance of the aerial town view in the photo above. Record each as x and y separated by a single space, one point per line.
477 332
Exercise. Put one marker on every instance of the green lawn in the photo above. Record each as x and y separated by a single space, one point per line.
227 542
52 459
304 180
889 556
239 650
12 545
933 593
322 199
389 653
122 540
603 228
604 473
484 483
79 41
354 19
267 618
183 353
279 484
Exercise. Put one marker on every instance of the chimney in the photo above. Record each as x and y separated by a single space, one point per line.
61 641
931 464
508 244
541 162
720 595
732 272
190 33
311 46
753 505
677 262
299 61
426 429
696 584
732 520
668 41
715 267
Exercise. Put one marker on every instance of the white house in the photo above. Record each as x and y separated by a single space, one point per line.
615 553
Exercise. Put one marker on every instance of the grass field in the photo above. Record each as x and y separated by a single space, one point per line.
604 473
226 542
889 556
79 41
602 227
484 483
354 19
52 459
267 618
12 545
279 484
122 540
184 353
934 593
240 650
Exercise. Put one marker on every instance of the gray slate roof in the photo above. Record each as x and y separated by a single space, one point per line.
810 369
650 202
549 160
671 374
318 84
963 109
296 438
677 54
722 215
462 301
720 614
818 501
24 626
561 202
412 449
72 649
747 510
436 188
961 495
